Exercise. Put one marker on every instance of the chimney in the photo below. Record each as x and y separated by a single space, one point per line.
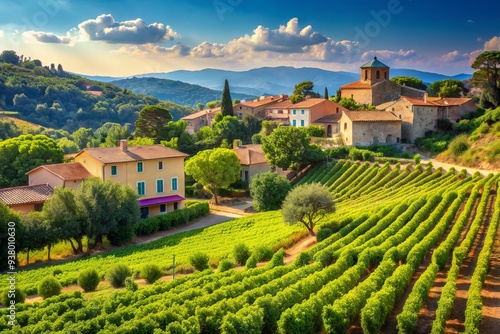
425 97
124 145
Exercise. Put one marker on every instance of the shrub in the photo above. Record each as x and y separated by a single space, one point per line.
130 284
257 138
214 262
49 287
251 262
268 190
151 273
277 260
199 261
17 293
88 280
459 145
241 254
57 272
263 253
225 265
323 234
417 159
117 275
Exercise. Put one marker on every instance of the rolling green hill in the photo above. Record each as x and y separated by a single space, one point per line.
175 91
60 100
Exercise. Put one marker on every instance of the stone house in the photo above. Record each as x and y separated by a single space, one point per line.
25 199
374 86
252 160
257 107
369 127
199 119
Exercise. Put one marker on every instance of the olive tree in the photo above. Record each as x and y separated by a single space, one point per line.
307 204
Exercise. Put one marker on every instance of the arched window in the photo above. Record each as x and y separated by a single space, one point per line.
366 74
378 74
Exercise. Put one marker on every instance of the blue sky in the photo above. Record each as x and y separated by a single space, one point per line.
120 38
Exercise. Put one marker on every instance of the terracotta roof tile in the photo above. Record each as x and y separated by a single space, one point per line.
418 102
356 85
332 118
280 105
371 116
307 103
452 101
203 112
250 155
263 101
133 153
69 171
26 194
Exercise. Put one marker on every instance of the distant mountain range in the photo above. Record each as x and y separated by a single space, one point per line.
176 91
276 80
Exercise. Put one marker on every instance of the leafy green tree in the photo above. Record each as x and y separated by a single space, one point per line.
200 106
214 104
307 204
175 129
228 128
36 233
141 141
302 90
65 219
268 127
68 146
9 57
110 134
21 154
487 77
251 126
447 88
214 169
83 136
409 81
226 103
268 191
7 215
152 123
350 104
109 209
8 129
285 147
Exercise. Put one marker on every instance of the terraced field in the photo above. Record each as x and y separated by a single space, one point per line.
396 232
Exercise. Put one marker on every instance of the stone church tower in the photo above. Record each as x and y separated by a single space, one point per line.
374 71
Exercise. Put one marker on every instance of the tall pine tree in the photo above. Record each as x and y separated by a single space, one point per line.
226 102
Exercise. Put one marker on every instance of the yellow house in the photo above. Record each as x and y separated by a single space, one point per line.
156 172
69 175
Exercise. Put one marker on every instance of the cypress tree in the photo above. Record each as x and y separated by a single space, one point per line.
226 102
326 93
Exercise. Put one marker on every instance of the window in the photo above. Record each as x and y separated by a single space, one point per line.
38 207
160 165
144 213
345 126
294 123
140 167
176 205
141 188
302 112
174 184
378 74
385 75
301 122
295 112
240 115
163 208
114 170
159 186
337 110
366 74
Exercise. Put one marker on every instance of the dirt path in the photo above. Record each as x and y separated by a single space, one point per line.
455 323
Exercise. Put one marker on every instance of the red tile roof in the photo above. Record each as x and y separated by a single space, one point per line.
371 116
356 85
280 105
452 101
134 153
250 155
26 194
69 171
201 113
332 118
262 101
418 102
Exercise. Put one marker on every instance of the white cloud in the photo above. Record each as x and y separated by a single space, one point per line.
1 33
105 28
400 56
178 49
493 44
45 37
